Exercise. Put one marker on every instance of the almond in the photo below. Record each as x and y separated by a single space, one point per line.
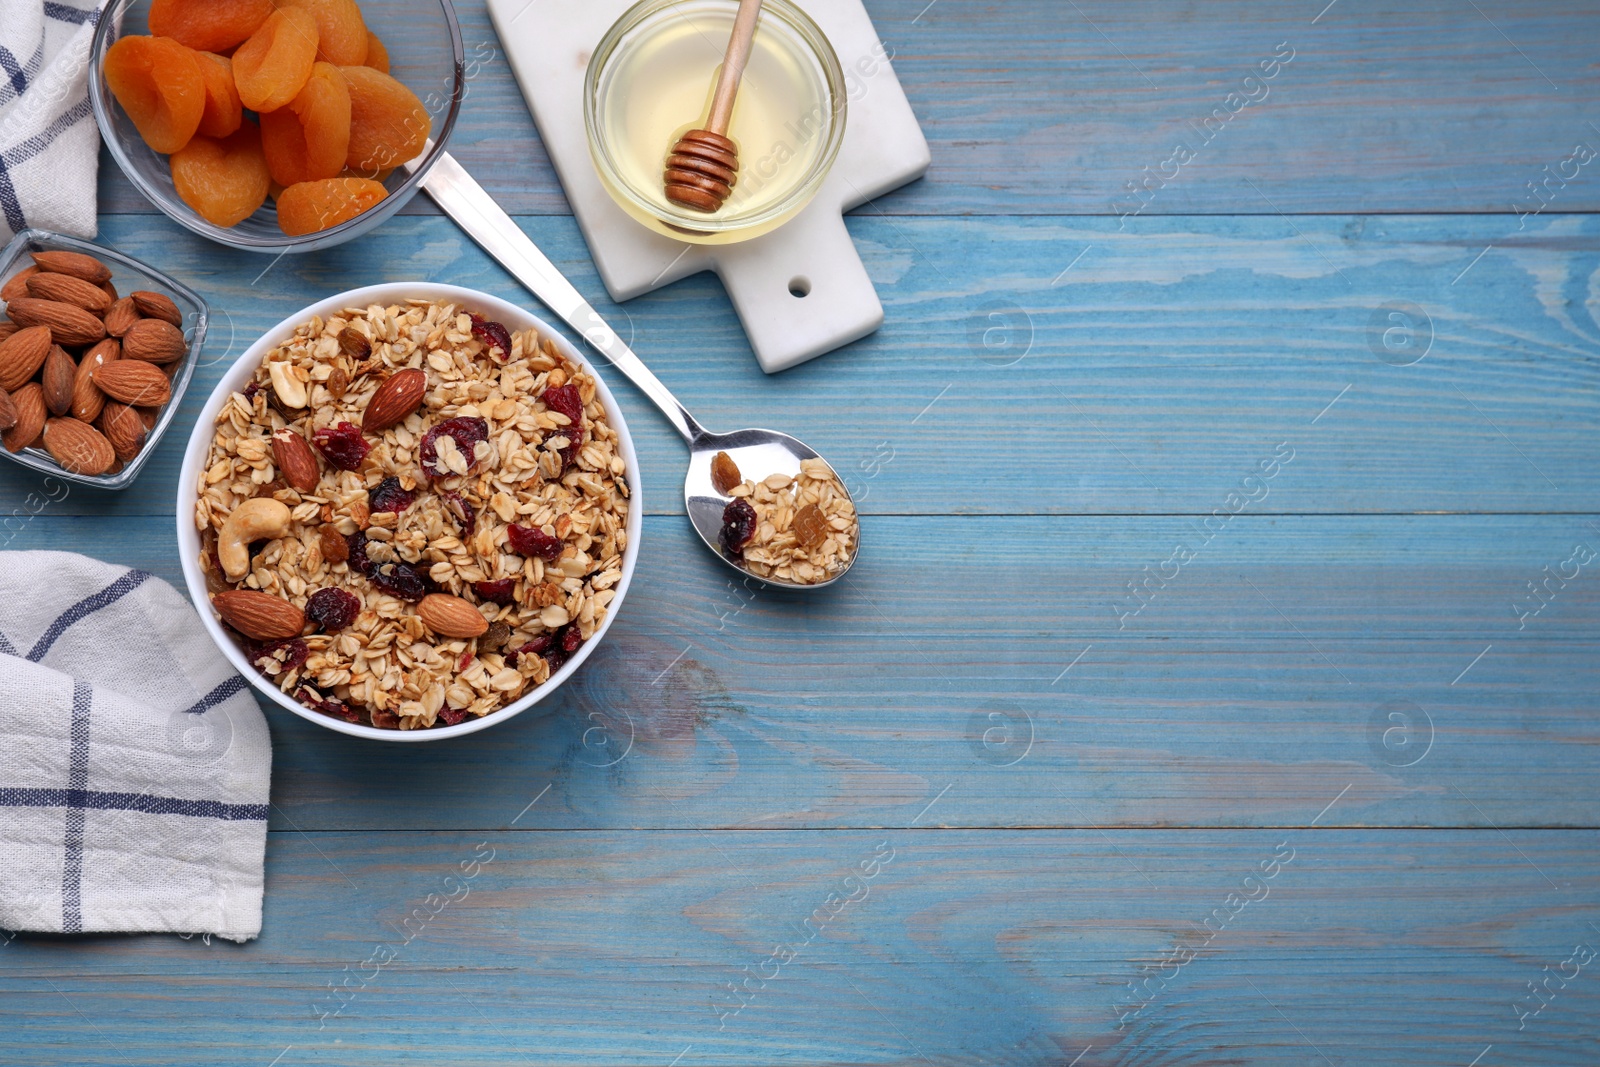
395 399
17 284
69 324
29 402
8 411
123 428
259 615
69 290
57 379
149 416
21 356
74 263
78 447
154 341
450 616
133 381
296 462
87 399
7 328
157 306
110 290
121 315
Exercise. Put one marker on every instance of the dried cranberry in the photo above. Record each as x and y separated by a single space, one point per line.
400 580
464 431
537 645
332 609
566 641
388 496
496 592
327 705
360 562
277 657
565 399
531 541
461 509
493 335
250 392
453 716
342 446
738 526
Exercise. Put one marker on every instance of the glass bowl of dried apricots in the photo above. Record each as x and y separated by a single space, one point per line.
277 125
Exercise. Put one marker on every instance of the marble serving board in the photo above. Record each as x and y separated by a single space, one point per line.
548 43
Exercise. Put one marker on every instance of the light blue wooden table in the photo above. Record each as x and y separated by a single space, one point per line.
1189 702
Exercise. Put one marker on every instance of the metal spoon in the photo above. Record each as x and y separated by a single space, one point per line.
758 453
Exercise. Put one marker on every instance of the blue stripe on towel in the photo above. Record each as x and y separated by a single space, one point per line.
86 607
95 800
23 151
77 784
216 696
74 15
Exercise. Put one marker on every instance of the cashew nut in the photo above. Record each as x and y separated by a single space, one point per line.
257 519
290 389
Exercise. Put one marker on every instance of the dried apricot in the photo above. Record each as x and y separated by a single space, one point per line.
307 139
377 55
225 179
342 33
223 113
307 207
158 83
208 25
272 67
388 124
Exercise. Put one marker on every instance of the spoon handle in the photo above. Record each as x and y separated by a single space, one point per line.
475 211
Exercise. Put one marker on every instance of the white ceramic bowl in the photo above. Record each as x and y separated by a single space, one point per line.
194 461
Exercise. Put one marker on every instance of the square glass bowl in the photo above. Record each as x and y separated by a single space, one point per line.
426 54
127 274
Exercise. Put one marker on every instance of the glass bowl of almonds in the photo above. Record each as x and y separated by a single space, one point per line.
409 512
96 351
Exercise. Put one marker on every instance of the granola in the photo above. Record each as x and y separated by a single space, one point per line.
490 496
803 529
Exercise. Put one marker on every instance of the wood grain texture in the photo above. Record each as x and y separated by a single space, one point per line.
984 661
965 947
1150 377
1050 108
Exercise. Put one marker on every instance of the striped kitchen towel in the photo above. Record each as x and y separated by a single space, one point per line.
49 147
134 762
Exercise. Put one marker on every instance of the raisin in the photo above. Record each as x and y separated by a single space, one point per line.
354 343
810 528
338 382
342 446
385 720
738 526
356 552
465 431
332 609
400 580
495 636
389 496
273 658
460 509
493 335
531 541
308 207
335 549
725 473
499 591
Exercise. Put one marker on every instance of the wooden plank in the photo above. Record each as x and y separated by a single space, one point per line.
1039 107
1003 666
1082 370
965 947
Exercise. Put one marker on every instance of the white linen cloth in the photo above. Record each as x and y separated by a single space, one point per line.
49 147
134 762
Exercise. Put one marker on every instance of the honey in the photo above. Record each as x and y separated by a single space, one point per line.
651 81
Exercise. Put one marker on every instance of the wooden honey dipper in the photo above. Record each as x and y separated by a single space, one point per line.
704 165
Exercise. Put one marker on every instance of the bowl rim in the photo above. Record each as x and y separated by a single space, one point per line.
27 240
199 445
687 222
101 99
